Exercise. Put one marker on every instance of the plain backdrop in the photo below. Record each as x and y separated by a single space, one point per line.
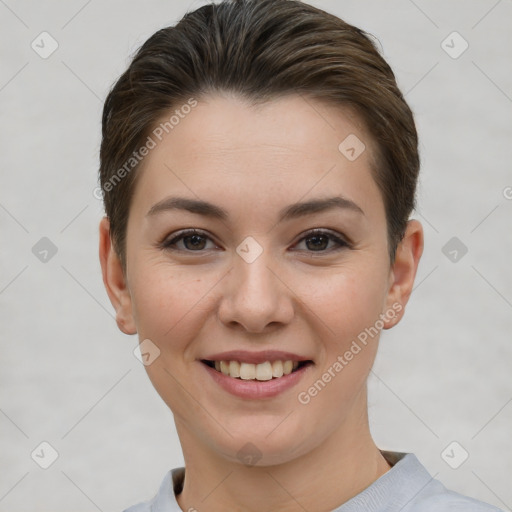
441 386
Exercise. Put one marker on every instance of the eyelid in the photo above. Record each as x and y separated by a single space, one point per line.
179 235
341 240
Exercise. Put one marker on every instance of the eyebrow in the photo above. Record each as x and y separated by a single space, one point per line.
290 212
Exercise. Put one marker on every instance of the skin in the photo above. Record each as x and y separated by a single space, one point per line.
254 161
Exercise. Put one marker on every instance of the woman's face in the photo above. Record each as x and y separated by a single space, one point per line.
289 262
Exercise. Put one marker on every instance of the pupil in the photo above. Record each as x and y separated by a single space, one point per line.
319 241
196 241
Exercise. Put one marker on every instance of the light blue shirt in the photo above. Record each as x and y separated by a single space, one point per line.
406 487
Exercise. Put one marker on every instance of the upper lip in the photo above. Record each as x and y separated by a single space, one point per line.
245 356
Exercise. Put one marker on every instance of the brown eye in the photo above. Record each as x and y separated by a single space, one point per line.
194 242
191 241
319 241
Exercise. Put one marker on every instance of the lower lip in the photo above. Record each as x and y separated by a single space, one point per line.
256 389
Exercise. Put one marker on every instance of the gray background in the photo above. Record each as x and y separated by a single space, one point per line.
69 377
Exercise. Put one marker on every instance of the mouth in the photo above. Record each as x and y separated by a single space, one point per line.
264 371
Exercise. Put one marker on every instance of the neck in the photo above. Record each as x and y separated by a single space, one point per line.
338 469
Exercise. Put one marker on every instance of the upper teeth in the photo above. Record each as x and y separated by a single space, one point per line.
262 371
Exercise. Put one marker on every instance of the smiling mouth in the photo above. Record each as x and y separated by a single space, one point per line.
263 371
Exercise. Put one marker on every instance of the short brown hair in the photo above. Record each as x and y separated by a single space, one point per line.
260 50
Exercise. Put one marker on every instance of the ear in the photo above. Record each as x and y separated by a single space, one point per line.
402 273
115 281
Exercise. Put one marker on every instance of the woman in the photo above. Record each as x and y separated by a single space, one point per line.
259 167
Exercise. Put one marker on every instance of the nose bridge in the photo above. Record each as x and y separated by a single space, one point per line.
255 297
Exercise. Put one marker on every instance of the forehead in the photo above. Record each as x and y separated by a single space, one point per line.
226 121
283 148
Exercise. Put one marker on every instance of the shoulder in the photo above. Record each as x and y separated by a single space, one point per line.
146 506
165 499
140 507
409 487
434 496
449 501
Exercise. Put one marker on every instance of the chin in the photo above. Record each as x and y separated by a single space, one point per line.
263 446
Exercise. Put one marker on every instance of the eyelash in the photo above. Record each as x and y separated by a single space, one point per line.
167 244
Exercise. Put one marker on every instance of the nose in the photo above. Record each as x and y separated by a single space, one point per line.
255 297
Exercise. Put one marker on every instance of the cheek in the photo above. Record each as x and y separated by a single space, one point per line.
345 302
348 305
167 302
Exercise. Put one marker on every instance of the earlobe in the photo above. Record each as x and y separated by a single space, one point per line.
115 281
403 272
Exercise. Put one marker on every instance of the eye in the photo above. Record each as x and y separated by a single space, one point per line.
319 240
194 240
191 240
